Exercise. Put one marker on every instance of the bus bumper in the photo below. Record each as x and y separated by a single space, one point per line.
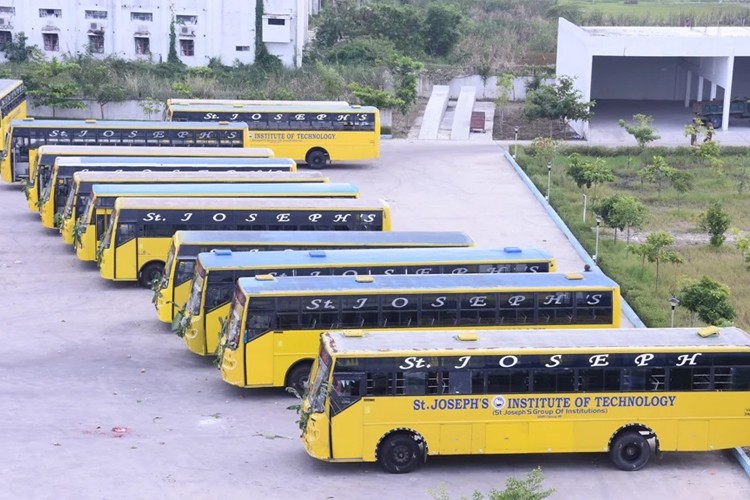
86 250
195 337
232 368
315 436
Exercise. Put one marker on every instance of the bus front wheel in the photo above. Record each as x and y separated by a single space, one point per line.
316 159
299 377
400 453
630 451
150 273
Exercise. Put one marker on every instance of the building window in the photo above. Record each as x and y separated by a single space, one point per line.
6 37
276 21
50 13
242 48
96 44
8 10
51 42
96 14
187 47
141 16
142 45
186 19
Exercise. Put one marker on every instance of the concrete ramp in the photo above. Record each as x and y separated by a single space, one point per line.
462 116
433 113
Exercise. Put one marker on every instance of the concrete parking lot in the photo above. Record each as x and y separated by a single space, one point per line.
100 400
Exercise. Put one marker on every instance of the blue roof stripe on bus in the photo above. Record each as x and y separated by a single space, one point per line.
125 124
320 238
305 285
365 257
88 161
271 188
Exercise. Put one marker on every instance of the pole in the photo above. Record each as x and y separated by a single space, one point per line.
673 316
549 178
596 250
584 207
515 143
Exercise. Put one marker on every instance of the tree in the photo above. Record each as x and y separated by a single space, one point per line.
172 57
504 89
709 300
742 242
682 182
715 221
657 172
331 81
641 130
558 101
16 51
589 172
628 212
405 71
657 251
51 84
151 106
441 29
369 96
98 81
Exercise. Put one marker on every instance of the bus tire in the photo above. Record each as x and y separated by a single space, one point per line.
630 451
400 453
316 158
150 272
298 377
715 121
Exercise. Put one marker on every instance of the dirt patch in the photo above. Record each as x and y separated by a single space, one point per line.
402 123
507 119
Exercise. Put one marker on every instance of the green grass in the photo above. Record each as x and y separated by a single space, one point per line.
669 212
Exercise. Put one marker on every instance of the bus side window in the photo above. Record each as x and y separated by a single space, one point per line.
460 382
411 383
345 390
125 233
378 384
739 379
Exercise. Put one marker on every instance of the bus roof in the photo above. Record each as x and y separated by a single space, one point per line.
446 341
7 86
263 189
280 108
322 238
305 285
250 203
200 175
226 259
91 161
263 102
124 124
83 150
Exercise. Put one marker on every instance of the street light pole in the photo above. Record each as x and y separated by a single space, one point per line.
674 302
584 207
596 250
515 143
549 178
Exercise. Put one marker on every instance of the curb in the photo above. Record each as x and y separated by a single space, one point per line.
738 453
582 253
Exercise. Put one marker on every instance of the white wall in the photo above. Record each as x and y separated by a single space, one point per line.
574 59
639 78
222 26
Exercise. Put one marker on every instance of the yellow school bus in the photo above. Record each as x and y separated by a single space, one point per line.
140 230
397 398
83 182
172 292
312 132
217 272
12 107
30 135
275 323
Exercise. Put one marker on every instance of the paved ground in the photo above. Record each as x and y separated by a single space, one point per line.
99 400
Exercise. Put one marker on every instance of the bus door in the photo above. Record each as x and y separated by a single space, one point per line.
347 413
125 253
101 218
20 157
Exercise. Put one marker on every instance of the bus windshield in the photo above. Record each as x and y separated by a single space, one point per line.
235 321
86 210
168 265
317 390
106 237
194 302
68 211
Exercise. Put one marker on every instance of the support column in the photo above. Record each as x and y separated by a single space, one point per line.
713 91
687 88
699 94
727 94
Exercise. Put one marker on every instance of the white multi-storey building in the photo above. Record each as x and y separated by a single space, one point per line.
139 29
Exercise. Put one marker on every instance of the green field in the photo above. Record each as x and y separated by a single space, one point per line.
660 12
678 215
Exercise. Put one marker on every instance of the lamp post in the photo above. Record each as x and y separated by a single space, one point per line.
596 249
674 302
549 178
515 142
584 207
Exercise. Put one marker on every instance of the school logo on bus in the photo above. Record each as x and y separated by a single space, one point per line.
498 402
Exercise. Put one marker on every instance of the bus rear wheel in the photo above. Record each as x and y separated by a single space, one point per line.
150 273
299 377
316 159
630 451
400 453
